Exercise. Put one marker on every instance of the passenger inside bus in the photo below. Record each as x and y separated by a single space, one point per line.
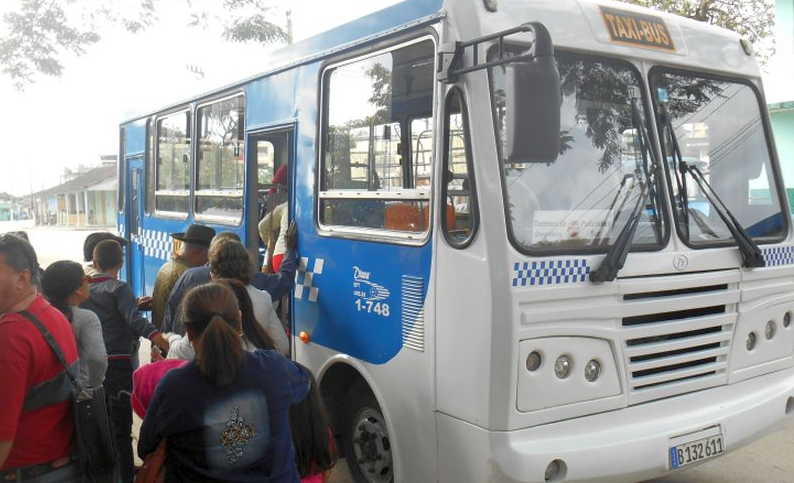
273 226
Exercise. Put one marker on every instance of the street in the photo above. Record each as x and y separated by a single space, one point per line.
766 461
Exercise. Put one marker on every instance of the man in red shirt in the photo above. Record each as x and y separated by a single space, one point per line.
36 425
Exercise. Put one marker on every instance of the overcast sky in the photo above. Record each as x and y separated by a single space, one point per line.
71 120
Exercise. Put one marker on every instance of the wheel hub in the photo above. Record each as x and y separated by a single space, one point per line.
371 447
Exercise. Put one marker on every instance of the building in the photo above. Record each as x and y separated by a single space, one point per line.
86 197
780 92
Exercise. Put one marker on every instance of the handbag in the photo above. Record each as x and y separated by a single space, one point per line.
153 469
96 451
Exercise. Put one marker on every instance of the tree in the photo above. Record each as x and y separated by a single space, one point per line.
39 33
752 19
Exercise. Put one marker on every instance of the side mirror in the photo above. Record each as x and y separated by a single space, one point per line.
532 102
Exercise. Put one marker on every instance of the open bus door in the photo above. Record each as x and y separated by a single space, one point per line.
268 151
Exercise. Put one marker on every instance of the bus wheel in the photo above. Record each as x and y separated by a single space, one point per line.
366 439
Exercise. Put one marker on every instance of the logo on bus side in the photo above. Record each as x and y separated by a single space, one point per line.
680 262
637 29
369 296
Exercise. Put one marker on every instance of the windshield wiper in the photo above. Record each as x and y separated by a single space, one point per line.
617 253
751 254
611 209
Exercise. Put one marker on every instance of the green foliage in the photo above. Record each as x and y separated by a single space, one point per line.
752 19
35 37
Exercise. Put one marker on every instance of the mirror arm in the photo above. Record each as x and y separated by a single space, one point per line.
450 63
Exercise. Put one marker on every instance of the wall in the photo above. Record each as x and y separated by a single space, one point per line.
783 126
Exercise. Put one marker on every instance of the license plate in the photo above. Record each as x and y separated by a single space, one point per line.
694 451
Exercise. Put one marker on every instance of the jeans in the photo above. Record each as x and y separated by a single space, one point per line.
118 384
65 474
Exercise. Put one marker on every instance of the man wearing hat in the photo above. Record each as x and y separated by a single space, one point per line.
195 244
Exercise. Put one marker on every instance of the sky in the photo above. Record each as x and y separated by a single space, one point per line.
73 119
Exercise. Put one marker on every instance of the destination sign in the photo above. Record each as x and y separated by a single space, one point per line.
637 29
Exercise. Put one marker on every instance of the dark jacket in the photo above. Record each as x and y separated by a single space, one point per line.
122 325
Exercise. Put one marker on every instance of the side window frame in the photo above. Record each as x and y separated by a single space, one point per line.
221 220
424 194
474 207
176 215
150 168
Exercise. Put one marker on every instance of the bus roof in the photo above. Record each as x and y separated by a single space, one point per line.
574 24
376 24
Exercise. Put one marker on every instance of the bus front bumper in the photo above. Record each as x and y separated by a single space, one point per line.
626 445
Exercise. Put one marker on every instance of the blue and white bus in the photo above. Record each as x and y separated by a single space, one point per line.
539 240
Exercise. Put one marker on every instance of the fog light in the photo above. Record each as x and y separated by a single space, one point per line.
562 367
787 320
592 370
751 339
771 329
556 471
533 361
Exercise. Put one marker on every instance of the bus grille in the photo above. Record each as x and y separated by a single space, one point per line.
677 341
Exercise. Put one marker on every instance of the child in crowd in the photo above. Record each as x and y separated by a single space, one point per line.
66 287
122 325
315 451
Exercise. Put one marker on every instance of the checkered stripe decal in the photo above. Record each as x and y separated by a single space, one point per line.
550 272
776 256
304 279
156 244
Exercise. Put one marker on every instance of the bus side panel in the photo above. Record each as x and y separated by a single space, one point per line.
353 296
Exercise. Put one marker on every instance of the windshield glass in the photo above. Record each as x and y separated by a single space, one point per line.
719 130
581 201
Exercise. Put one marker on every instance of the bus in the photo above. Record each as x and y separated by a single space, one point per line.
539 241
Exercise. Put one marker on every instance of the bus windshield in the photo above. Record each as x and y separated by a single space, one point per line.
581 201
717 124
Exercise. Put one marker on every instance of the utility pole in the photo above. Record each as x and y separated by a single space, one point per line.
289 27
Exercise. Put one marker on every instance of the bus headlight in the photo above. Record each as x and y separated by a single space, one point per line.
562 367
770 330
559 371
592 370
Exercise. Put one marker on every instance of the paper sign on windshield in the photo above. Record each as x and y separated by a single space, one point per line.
637 29
554 226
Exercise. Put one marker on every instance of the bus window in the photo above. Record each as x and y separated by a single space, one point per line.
220 165
265 163
378 141
422 147
459 208
173 164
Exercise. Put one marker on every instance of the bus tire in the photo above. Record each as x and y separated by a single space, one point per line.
366 438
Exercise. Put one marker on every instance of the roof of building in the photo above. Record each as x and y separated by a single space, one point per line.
80 183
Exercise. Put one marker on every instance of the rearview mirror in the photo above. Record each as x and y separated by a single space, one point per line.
532 102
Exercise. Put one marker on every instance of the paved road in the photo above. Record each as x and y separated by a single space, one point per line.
769 460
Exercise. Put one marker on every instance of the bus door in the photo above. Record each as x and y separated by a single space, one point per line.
270 155
133 211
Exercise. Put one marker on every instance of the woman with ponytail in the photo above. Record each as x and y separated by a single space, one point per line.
65 285
224 415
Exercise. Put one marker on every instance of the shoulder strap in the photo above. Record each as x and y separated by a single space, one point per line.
56 349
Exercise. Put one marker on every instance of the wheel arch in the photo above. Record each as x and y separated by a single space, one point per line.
335 379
